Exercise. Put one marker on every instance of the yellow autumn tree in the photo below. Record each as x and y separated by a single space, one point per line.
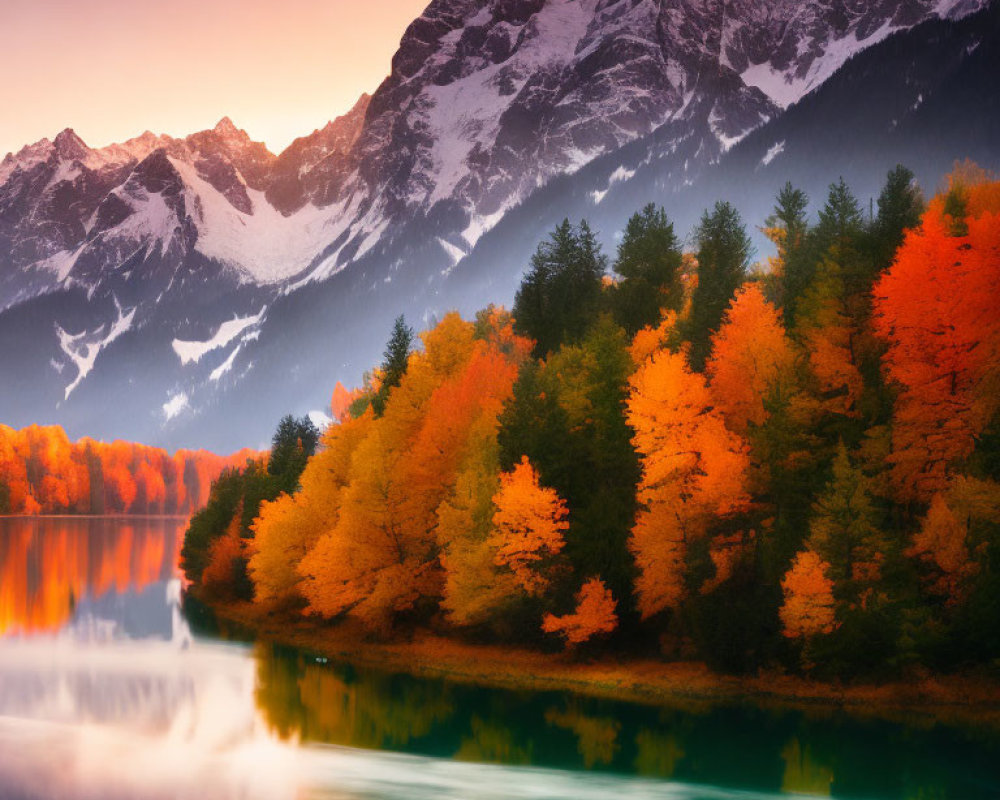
288 528
530 523
829 335
476 588
694 470
382 554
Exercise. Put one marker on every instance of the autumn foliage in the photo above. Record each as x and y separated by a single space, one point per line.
937 309
693 471
595 614
530 522
43 472
797 466
752 359
808 609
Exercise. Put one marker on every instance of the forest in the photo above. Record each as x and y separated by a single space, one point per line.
677 452
43 472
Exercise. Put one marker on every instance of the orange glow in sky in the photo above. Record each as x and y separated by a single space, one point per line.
111 69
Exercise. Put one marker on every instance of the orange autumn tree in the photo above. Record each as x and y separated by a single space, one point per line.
808 608
595 614
950 542
341 401
936 309
751 359
479 389
693 471
14 483
941 545
56 470
382 555
42 471
218 577
465 413
530 523
648 340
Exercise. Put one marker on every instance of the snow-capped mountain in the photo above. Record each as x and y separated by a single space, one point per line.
177 275
72 215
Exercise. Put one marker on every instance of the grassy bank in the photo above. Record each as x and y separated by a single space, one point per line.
930 699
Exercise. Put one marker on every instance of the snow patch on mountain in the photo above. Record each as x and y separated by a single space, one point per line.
225 366
83 348
60 263
175 405
189 351
152 221
455 254
785 87
772 153
479 224
265 245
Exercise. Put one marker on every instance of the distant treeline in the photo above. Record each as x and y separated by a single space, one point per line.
794 463
43 472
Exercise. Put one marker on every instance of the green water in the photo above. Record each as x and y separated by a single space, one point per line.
821 751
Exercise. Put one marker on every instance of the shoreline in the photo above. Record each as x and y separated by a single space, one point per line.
942 698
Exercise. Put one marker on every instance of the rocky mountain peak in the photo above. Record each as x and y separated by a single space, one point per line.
69 146
225 127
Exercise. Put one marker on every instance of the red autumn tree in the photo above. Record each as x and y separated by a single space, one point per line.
936 308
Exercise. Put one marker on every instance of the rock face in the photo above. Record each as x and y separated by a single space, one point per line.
119 253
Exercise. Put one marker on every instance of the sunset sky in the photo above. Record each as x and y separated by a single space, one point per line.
111 69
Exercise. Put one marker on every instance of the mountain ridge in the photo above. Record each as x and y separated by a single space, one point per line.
183 236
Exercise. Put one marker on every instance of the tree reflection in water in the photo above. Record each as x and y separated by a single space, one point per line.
50 566
826 753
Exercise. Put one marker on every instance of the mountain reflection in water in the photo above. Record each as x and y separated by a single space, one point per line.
105 694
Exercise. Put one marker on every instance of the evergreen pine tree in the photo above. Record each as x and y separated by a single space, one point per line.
900 206
844 530
788 227
394 361
293 443
724 253
649 262
561 293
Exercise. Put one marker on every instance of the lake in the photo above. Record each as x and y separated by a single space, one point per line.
106 692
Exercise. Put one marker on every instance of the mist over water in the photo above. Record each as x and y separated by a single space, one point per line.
105 694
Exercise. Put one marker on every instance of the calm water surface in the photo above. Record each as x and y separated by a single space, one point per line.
105 693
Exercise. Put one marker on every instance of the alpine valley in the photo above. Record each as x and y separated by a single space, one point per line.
146 285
